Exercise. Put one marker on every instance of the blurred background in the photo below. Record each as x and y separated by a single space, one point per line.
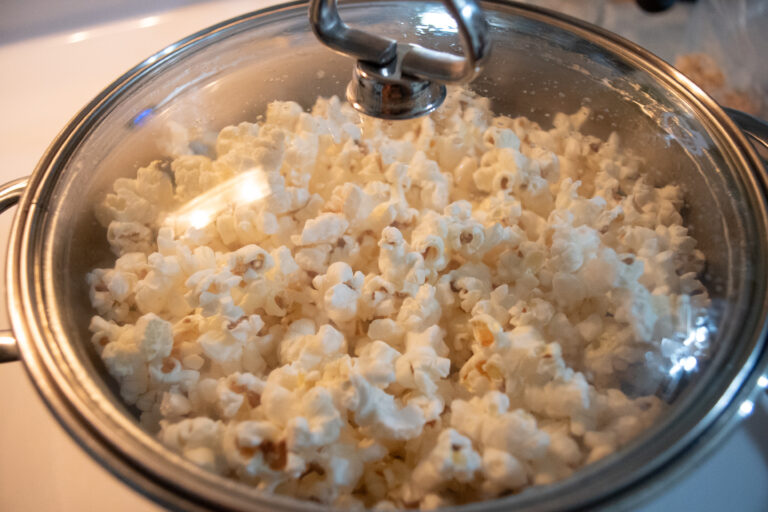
718 43
55 55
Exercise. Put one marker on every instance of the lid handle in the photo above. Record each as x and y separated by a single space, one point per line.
10 194
399 80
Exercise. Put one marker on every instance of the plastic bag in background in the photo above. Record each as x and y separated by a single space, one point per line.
726 52
662 33
722 45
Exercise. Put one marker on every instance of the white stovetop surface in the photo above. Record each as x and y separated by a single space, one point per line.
43 82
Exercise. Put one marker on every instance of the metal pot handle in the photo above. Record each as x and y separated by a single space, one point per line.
755 128
10 193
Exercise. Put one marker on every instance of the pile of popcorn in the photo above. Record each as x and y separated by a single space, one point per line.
395 314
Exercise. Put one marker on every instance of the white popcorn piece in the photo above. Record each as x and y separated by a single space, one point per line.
170 371
236 391
105 332
420 311
250 261
387 330
340 289
126 237
219 346
175 405
453 458
209 290
197 439
157 292
377 363
308 348
253 449
380 413
112 291
487 421
154 337
421 365
123 359
314 259
325 228
502 472
143 200
398 265
317 421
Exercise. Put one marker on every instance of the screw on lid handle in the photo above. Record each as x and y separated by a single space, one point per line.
395 81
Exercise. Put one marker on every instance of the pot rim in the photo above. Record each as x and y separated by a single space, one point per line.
131 454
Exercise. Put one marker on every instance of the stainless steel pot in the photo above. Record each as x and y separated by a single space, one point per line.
542 63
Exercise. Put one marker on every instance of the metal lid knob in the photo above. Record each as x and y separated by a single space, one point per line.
398 80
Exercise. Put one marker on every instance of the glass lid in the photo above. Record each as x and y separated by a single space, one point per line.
539 294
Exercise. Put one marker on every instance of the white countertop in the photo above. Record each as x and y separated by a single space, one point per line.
45 80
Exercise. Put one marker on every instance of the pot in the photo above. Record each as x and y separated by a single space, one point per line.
542 63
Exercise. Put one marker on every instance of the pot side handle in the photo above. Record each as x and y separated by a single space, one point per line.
756 129
10 193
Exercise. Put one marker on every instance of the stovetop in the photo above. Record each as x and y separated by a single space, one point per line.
45 80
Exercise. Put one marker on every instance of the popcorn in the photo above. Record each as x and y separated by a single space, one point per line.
253 450
420 311
368 313
487 421
157 291
325 228
123 359
383 415
155 338
194 174
421 365
377 363
170 371
502 472
452 459
125 237
209 290
174 406
434 185
236 391
250 262
307 348
353 202
105 332
197 439
387 330
378 301
143 200
314 259
398 265
340 289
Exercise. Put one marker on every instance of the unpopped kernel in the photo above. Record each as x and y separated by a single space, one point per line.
396 314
